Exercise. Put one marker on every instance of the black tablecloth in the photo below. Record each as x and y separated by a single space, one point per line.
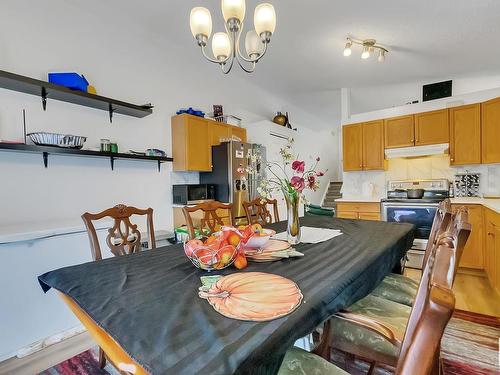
148 302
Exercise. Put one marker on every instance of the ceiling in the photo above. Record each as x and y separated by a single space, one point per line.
427 39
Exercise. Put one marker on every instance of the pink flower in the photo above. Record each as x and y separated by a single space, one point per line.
311 181
318 158
298 166
298 183
320 174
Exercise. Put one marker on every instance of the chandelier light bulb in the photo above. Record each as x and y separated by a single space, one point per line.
366 53
200 21
381 56
253 44
233 9
264 19
347 49
221 46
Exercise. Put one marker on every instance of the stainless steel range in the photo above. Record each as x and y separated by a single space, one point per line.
400 208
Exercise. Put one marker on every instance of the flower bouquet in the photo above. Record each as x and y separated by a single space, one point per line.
292 177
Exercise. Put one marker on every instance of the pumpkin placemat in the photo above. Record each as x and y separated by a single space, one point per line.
253 296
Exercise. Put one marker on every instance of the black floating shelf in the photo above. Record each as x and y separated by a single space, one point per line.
47 90
49 150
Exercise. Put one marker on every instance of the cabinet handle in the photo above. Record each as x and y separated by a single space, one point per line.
490 234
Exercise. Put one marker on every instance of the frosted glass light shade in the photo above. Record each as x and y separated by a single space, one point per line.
233 9
366 53
200 21
221 46
253 43
347 49
264 18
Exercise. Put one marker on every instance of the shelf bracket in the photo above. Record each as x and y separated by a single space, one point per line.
111 110
45 159
112 161
159 166
44 98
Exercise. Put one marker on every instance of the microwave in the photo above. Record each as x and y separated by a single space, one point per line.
187 194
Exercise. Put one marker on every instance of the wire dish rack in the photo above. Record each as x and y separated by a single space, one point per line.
58 140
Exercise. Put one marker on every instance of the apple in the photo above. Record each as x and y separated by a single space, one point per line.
241 261
234 239
257 228
191 246
207 256
226 254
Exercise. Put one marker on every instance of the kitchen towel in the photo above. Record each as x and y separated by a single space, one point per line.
312 235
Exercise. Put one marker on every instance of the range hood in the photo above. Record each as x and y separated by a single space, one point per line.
416 151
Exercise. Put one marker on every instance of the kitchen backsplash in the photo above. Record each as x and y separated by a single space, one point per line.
419 168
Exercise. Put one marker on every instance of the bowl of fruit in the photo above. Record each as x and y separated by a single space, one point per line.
216 252
254 236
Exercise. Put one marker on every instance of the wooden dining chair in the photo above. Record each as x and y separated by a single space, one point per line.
123 237
402 289
417 346
210 221
373 327
257 212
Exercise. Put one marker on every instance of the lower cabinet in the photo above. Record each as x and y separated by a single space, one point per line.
473 256
492 248
358 210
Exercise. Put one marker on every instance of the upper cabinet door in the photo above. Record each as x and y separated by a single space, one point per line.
373 145
399 132
432 128
240 133
217 132
352 147
465 134
490 131
198 149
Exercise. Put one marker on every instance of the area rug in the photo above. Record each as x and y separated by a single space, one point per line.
469 346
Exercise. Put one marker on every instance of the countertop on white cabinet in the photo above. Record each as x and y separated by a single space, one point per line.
492 204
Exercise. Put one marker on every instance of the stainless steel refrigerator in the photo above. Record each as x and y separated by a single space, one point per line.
233 183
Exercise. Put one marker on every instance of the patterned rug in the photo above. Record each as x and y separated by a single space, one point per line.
470 346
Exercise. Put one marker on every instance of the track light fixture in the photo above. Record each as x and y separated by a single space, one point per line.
369 47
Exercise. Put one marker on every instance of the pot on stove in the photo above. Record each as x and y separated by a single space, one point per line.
414 193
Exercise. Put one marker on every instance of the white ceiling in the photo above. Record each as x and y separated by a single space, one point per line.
427 39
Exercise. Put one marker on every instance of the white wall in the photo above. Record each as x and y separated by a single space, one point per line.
371 98
125 62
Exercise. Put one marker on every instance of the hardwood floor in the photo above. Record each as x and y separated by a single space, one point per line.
472 292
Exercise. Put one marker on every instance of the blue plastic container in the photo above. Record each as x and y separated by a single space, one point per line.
71 80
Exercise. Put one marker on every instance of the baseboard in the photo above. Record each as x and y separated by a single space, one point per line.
472 271
47 357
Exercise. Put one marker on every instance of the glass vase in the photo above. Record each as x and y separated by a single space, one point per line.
292 205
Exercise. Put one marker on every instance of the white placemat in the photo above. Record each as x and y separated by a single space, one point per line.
312 235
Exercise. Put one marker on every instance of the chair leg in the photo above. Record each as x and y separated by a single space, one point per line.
102 359
349 361
323 349
373 366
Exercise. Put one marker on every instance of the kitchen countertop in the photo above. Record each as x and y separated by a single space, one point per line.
358 200
492 204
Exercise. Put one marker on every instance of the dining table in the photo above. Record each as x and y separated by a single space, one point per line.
148 302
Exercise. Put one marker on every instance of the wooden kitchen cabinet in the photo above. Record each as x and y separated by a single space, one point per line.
363 146
399 131
373 145
465 134
241 133
492 249
490 131
432 128
191 143
217 132
473 255
193 138
352 147
358 210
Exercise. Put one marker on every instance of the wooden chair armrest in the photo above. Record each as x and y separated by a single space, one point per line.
372 325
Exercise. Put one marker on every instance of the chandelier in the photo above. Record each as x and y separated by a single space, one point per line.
369 47
226 45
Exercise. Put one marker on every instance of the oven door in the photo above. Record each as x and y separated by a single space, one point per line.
419 214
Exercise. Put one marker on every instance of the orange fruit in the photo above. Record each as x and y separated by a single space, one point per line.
234 239
240 262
